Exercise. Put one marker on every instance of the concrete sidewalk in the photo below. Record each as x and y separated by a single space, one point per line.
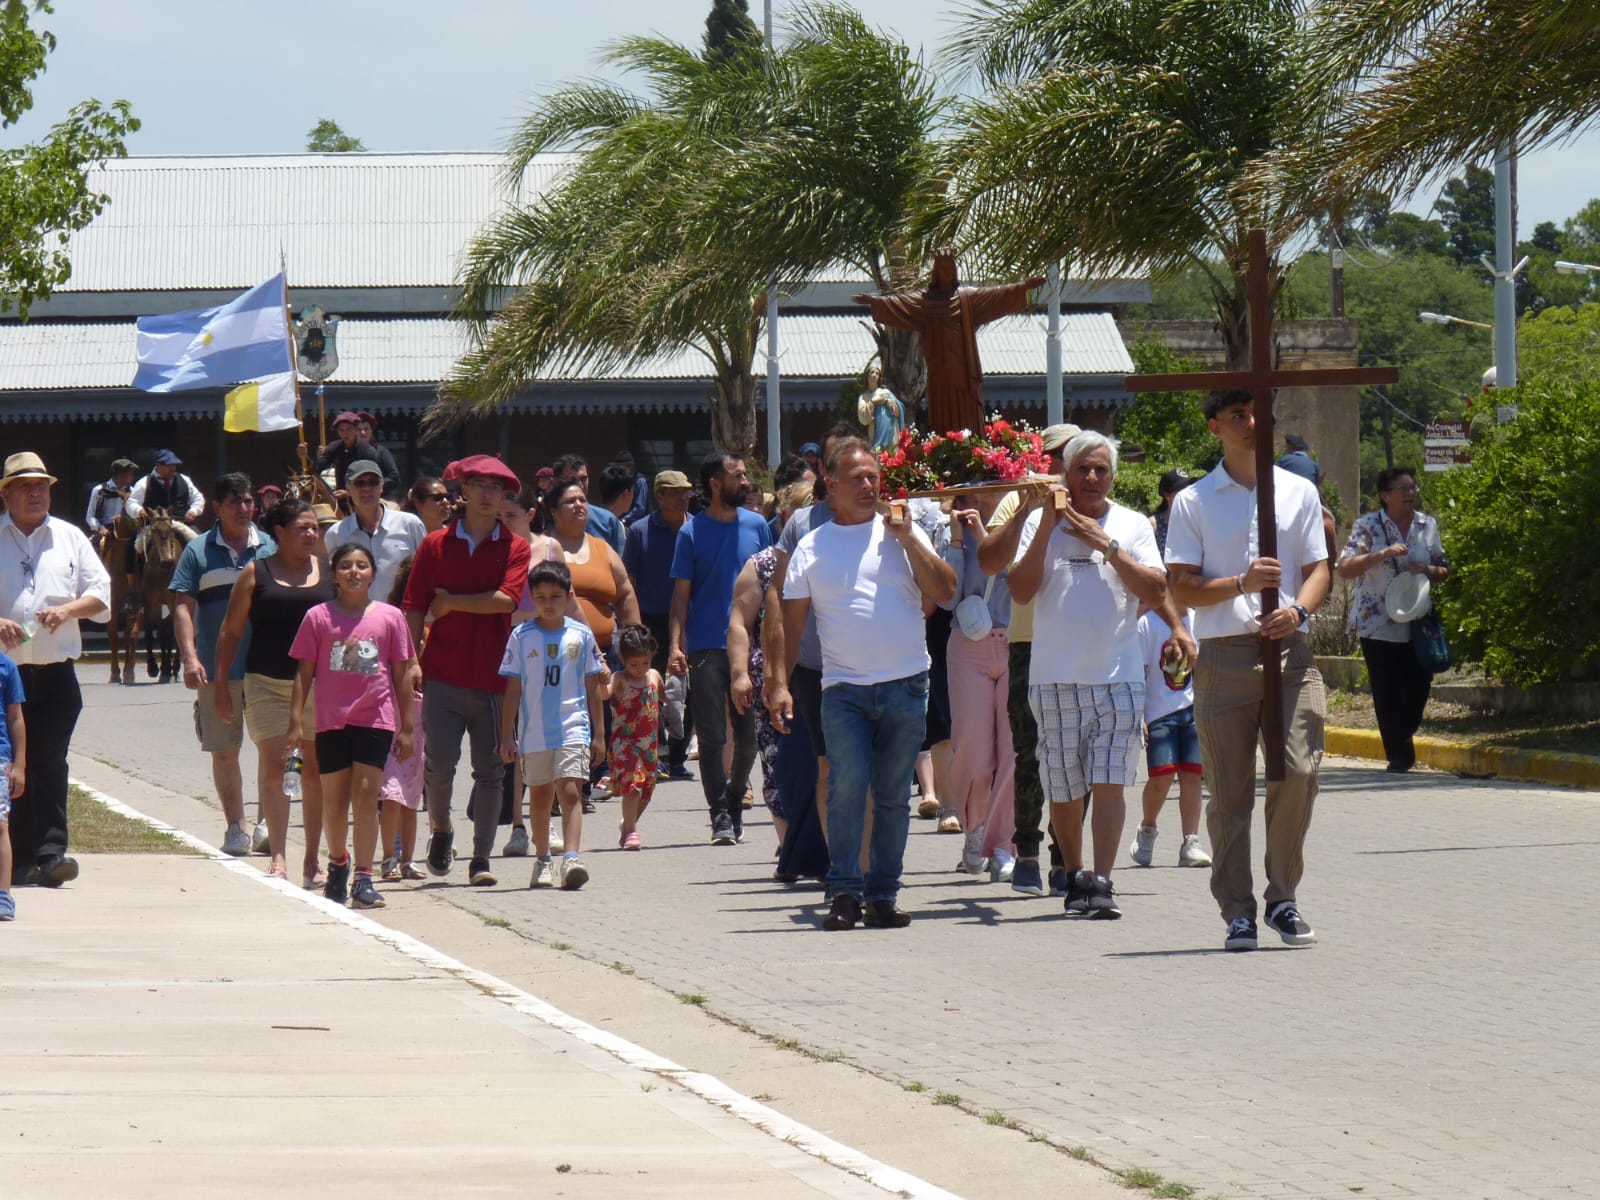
185 1026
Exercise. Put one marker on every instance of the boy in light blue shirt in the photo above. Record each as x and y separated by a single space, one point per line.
13 773
551 715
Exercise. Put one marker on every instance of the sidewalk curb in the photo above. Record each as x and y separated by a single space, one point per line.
1476 761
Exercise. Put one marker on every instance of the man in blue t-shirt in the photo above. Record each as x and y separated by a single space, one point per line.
202 583
711 551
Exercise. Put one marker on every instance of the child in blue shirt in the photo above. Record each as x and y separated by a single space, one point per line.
13 773
551 715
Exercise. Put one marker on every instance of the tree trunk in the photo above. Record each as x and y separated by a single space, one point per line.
733 413
905 370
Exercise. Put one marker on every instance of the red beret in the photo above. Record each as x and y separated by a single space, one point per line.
485 465
343 417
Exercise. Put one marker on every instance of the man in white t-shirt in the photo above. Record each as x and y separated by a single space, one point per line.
866 578
1086 573
1214 558
389 535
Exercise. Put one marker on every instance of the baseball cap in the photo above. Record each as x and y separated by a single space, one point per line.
363 466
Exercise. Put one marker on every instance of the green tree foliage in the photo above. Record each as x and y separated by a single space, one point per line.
729 30
44 191
325 137
1171 426
1127 137
1466 210
1560 345
1524 595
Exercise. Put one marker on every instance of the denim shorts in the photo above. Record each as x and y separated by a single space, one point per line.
1174 744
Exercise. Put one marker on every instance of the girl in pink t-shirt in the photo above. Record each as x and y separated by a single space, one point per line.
359 654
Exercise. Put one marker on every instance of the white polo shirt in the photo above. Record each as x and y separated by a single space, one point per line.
396 538
1213 527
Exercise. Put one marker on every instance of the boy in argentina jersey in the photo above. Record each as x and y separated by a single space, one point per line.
552 717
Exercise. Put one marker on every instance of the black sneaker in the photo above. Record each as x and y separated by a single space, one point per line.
846 911
1060 881
479 874
53 872
882 914
1241 934
722 830
441 852
337 888
1102 899
1291 926
364 895
1080 886
737 817
679 773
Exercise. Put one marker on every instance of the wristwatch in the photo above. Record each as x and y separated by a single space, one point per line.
1112 549
1305 613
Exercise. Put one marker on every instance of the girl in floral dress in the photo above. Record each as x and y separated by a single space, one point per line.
636 702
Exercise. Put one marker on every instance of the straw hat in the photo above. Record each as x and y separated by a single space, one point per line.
1408 597
24 464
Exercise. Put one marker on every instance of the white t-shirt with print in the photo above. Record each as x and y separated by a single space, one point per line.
1161 699
1085 620
866 601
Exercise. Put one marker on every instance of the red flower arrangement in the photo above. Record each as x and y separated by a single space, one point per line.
1003 453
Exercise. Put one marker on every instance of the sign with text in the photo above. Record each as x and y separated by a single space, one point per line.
1445 445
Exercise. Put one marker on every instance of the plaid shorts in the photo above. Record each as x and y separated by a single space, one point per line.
1088 734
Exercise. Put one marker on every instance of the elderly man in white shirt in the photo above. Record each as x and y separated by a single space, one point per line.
50 579
1086 566
1216 567
866 579
391 536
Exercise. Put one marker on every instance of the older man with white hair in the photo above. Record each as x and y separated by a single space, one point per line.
1087 563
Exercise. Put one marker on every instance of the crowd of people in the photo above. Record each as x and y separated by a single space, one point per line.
997 664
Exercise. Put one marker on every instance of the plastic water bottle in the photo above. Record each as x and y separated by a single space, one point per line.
292 767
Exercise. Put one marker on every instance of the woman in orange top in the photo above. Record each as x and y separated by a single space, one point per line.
599 581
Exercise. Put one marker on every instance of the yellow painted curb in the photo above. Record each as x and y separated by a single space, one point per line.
1536 766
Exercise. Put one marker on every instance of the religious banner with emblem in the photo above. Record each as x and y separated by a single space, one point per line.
316 353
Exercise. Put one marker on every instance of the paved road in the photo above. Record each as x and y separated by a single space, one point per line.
1440 1041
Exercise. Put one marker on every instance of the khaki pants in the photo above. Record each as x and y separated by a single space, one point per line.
1227 709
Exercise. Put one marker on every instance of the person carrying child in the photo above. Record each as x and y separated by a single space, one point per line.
358 653
13 773
552 716
636 699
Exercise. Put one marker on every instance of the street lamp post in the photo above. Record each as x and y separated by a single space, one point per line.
1433 318
774 416
1576 268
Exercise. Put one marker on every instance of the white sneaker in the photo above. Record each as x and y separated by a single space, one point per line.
1192 853
236 841
260 843
973 861
573 874
694 747
1002 865
1143 850
544 873
558 842
517 843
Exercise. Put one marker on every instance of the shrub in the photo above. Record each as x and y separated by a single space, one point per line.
1519 525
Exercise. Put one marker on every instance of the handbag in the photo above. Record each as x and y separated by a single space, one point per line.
972 614
1428 644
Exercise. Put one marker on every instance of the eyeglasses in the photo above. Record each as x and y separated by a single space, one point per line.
435 496
1409 489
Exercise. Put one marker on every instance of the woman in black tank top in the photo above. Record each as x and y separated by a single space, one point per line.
269 599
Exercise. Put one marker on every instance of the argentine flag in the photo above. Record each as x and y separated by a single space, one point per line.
246 338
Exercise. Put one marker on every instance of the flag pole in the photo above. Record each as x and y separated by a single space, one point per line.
294 374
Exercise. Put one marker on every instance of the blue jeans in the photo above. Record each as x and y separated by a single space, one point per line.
874 732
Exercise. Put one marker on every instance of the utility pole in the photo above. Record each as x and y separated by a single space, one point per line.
1055 400
774 416
1505 282
1335 266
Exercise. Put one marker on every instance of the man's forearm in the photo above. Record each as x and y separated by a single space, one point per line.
483 603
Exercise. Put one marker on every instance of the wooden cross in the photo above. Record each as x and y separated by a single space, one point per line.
1261 380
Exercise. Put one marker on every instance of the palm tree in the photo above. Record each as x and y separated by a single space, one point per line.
1419 85
682 204
1122 137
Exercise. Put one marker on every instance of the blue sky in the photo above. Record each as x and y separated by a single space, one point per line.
240 77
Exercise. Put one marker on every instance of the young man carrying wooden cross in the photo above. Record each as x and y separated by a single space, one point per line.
1215 566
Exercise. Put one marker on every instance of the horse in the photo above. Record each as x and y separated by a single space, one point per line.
116 548
157 550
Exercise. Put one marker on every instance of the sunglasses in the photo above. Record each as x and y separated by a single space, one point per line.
435 496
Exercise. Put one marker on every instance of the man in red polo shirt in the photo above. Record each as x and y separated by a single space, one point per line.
467 576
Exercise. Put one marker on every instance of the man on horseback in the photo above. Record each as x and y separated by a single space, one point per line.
168 488
349 448
106 500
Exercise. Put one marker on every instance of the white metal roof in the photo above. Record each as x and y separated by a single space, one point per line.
44 356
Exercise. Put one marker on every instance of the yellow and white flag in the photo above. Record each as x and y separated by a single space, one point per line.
261 407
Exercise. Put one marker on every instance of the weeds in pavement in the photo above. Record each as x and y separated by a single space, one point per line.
494 922
913 1087
561 945
690 998
949 1098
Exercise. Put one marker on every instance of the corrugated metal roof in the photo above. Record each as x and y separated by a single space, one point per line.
48 356
339 220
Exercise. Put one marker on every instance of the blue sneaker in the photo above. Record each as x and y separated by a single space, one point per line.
1058 881
1025 878
8 907
679 773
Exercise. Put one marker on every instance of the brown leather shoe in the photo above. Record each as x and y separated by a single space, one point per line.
882 914
846 911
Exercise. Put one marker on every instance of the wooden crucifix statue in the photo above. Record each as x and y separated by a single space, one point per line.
1261 380
947 317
